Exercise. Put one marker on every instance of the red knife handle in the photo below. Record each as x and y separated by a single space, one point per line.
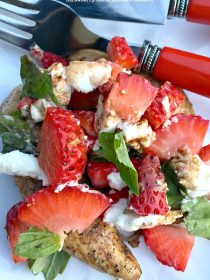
183 69
198 11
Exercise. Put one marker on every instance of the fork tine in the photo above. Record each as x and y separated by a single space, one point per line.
28 16
19 26
15 40
22 4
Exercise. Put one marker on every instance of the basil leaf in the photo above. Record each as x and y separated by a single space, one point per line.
50 265
16 135
197 220
174 194
55 264
37 244
115 150
36 83
37 265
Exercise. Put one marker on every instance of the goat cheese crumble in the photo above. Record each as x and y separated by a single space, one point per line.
16 163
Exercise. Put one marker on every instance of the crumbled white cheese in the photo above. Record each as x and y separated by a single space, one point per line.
166 105
115 181
117 216
39 108
61 86
137 135
21 164
193 173
85 76
96 146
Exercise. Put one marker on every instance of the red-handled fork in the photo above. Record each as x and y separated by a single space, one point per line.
59 29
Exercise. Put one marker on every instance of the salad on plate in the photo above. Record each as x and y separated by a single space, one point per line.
102 155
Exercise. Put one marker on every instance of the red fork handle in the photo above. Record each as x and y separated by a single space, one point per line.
183 69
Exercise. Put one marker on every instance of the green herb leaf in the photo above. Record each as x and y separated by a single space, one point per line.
197 220
50 265
16 135
115 150
37 265
36 83
174 194
36 244
55 264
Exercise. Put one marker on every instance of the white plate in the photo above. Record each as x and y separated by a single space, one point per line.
176 33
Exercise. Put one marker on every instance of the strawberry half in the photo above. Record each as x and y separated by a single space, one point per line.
149 202
204 154
13 228
171 244
180 132
119 52
98 172
149 171
47 58
62 147
163 106
129 97
72 208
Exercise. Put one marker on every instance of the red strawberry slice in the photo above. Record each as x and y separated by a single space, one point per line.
72 208
117 195
163 106
105 89
90 142
87 119
149 171
24 102
84 101
119 52
129 97
98 172
172 245
62 147
149 202
13 228
180 132
47 58
204 154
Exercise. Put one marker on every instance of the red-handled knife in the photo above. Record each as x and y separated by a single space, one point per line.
185 70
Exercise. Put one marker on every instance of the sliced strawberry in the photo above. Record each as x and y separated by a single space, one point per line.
72 208
90 142
119 52
180 132
24 102
13 228
47 58
171 244
117 195
87 119
84 101
98 172
105 89
163 106
149 171
204 154
149 202
129 97
62 147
